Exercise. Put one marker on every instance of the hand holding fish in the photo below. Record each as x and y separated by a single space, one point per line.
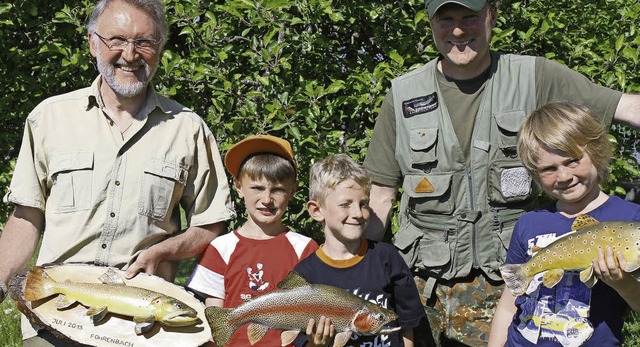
145 262
322 335
608 267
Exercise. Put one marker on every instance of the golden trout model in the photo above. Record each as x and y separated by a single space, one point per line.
575 251
145 306
290 309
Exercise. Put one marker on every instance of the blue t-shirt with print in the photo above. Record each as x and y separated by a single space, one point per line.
563 307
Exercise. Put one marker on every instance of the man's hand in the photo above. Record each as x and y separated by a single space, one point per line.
145 262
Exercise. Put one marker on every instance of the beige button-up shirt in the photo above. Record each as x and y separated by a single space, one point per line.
106 197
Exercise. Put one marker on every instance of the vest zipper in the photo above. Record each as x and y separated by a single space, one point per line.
472 207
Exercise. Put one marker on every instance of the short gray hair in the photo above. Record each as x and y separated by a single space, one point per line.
152 7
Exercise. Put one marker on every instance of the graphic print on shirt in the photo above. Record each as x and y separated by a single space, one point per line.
255 278
374 341
559 313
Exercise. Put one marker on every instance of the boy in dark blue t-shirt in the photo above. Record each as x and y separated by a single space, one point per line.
339 200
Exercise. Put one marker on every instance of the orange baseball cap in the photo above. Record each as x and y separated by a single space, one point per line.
237 154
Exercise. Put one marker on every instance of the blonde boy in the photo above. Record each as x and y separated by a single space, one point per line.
567 151
252 259
339 200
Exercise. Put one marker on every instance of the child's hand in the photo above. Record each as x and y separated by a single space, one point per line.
322 335
608 268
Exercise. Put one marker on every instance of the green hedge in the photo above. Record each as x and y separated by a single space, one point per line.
312 71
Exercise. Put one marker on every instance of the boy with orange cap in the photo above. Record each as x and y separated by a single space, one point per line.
252 259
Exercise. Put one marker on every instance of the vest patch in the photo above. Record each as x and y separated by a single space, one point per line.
419 105
424 186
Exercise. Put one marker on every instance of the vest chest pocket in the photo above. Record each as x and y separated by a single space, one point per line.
509 182
71 176
162 184
429 193
508 125
423 145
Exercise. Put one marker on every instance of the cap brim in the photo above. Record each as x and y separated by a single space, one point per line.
239 152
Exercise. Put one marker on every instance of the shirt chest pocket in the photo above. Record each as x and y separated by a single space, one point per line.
161 187
70 177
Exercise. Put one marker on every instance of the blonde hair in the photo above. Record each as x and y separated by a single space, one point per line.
328 173
567 127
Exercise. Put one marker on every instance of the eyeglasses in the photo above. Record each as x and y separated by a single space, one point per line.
119 43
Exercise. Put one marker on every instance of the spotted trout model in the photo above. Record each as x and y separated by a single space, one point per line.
112 295
290 309
575 251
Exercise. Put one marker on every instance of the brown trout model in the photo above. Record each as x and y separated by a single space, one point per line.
575 251
145 306
290 309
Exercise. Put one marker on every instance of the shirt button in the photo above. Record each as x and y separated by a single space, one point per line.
117 183
463 215
104 245
112 214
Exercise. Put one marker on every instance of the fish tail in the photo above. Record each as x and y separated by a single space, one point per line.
218 319
38 285
515 278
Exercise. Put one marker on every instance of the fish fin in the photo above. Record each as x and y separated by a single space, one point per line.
255 332
218 319
64 302
552 277
97 313
111 277
342 338
144 324
293 280
582 221
38 285
587 277
515 278
288 336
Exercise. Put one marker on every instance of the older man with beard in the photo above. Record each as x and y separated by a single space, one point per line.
103 170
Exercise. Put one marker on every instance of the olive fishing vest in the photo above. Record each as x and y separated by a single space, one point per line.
456 216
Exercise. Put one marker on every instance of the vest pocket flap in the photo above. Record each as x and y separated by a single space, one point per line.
510 121
424 186
406 237
162 168
71 162
434 253
423 139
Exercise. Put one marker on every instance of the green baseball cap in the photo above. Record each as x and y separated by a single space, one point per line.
434 5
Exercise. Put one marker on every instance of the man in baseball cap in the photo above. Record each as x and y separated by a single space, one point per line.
446 135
